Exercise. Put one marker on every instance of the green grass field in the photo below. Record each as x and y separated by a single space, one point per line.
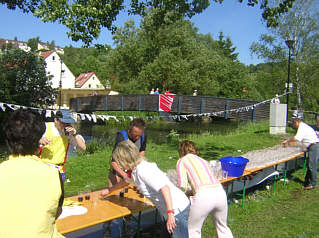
289 212
90 170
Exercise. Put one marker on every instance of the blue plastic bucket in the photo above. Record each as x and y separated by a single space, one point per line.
235 166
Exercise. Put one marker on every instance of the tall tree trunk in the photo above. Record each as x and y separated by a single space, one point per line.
298 87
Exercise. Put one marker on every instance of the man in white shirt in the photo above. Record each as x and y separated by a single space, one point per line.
310 141
276 100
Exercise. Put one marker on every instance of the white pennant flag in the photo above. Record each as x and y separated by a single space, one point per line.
184 116
82 116
3 108
94 118
13 107
101 117
88 117
48 113
74 115
105 117
114 117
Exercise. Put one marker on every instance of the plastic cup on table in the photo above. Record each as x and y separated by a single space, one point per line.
224 174
122 193
80 196
95 198
219 174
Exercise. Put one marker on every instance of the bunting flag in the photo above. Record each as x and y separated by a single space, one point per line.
165 102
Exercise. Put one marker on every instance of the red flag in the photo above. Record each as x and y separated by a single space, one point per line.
166 101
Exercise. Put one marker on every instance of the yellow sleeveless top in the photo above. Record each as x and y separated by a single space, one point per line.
55 152
29 197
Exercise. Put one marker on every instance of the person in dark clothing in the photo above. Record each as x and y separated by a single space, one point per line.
136 134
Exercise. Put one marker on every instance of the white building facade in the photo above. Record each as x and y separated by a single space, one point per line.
58 71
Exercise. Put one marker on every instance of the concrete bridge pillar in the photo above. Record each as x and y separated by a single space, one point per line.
277 118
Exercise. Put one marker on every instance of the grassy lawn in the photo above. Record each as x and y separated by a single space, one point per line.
289 212
90 171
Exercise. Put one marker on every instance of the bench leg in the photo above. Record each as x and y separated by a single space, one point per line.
243 195
139 225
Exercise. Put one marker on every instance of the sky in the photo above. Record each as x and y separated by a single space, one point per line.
243 24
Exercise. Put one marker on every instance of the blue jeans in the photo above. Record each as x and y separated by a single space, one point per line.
312 163
181 219
62 176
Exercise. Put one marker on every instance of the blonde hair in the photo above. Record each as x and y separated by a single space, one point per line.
187 147
126 154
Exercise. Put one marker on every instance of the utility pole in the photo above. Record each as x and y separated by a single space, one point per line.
290 44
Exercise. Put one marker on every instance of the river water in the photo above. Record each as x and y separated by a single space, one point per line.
157 132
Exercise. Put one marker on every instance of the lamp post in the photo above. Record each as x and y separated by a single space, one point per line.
60 85
291 45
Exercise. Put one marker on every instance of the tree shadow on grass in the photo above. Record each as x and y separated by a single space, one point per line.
215 152
295 179
211 152
261 132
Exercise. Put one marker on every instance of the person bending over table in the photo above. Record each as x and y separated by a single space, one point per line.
171 202
58 136
209 195
308 137
136 134
31 194
317 127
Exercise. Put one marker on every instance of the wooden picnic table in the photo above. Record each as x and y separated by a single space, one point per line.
104 210
252 171
114 206
257 169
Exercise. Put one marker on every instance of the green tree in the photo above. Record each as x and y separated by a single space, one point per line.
86 18
52 45
33 43
301 25
80 60
226 46
23 79
174 57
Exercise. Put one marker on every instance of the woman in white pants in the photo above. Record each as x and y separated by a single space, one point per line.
209 195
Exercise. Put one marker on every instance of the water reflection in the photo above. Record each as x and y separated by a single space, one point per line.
157 131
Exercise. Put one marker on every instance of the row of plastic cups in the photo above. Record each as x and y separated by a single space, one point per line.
217 170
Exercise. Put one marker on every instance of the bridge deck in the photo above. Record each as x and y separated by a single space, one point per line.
182 104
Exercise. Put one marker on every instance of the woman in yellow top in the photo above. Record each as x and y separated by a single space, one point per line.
57 138
31 194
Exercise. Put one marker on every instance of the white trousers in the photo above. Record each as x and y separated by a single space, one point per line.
209 201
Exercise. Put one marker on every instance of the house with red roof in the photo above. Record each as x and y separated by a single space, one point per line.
89 80
87 84
61 76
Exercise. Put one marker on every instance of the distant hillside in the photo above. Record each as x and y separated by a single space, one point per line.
41 46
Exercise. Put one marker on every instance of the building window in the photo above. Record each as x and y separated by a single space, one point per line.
53 58
89 85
